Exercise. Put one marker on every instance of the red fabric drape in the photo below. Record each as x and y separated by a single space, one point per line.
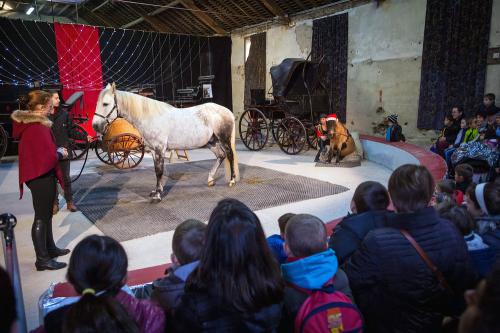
80 68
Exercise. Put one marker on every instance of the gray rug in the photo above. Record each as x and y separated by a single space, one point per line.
117 201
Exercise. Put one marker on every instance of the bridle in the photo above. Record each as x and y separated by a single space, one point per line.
107 117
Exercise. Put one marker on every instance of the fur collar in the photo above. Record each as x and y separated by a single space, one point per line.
26 117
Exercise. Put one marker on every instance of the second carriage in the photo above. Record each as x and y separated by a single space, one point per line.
299 97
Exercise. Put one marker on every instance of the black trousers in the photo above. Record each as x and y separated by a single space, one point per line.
65 168
43 191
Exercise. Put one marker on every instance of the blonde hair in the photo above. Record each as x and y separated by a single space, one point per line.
37 97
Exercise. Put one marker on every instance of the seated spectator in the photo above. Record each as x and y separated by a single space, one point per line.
311 266
463 177
8 314
446 191
237 286
187 243
98 270
464 135
497 125
321 135
446 138
483 306
489 109
277 242
471 134
393 286
369 206
482 256
483 202
394 132
485 129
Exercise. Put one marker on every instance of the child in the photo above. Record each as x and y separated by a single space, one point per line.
446 193
277 242
394 132
444 140
187 243
471 134
311 266
463 177
461 138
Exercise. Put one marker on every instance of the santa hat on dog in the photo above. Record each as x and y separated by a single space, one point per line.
331 116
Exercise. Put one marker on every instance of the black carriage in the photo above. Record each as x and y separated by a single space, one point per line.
299 97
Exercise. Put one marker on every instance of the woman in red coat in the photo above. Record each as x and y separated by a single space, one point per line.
38 169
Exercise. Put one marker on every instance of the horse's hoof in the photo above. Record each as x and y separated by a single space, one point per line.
232 183
152 193
156 199
211 183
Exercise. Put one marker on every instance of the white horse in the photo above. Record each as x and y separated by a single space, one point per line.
164 127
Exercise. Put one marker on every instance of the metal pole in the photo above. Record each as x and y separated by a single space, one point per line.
7 224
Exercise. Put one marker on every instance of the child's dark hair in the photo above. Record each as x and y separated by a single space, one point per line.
465 170
7 302
490 96
411 188
449 117
461 218
98 314
370 196
447 186
283 219
305 235
189 240
237 264
491 193
469 121
99 263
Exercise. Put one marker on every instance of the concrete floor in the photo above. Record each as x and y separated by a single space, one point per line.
156 249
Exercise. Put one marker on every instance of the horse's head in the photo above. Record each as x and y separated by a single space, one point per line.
331 124
106 109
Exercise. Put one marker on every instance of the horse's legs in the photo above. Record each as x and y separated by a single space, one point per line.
159 161
216 148
230 157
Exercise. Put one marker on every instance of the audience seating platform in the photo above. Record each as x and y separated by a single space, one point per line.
388 154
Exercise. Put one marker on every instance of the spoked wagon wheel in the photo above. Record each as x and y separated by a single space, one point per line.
102 152
126 151
291 135
254 130
3 141
78 147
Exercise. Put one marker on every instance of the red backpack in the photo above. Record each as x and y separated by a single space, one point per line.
328 311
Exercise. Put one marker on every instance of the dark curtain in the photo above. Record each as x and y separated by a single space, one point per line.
329 42
454 58
255 66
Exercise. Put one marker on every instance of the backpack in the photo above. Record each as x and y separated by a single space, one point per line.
328 311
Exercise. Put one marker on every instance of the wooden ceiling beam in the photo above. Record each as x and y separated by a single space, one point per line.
153 13
156 23
196 11
273 7
101 18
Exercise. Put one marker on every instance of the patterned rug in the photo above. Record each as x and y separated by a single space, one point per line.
117 201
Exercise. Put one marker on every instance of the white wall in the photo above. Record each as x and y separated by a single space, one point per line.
493 71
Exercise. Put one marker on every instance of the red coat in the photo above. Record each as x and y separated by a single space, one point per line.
37 148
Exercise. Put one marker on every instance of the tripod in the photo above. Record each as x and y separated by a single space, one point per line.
7 224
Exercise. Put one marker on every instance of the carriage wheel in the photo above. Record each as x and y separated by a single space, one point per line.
254 130
102 153
125 151
312 139
78 147
291 135
3 141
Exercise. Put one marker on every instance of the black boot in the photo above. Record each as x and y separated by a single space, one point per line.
39 237
53 250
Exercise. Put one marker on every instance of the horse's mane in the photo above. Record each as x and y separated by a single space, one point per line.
138 106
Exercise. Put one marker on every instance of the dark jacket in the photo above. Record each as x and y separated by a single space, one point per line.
167 291
149 317
350 232
451 132
395 290
488 227
309 273
201 311
490 111
64 129
37 149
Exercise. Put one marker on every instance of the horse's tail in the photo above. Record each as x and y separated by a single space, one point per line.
227 166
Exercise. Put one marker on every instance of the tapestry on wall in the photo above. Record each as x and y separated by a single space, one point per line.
329 42
454 58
